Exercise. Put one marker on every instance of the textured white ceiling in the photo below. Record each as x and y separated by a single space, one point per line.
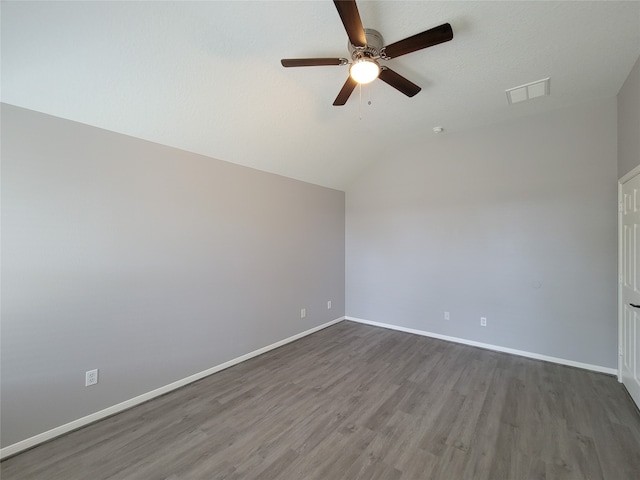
206 76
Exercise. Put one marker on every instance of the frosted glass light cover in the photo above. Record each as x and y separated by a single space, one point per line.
364 70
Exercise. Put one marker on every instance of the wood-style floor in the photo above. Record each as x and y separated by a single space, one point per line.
358 402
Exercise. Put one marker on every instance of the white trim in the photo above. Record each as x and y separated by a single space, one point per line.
625 178
81 422
497 348
620 273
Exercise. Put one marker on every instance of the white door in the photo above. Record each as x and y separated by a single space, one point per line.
630 288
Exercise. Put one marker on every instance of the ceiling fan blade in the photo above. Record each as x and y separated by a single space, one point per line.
348 11
345 93
398 82
433 36
312 62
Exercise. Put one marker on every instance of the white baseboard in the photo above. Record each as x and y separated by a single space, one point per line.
497 348
81 422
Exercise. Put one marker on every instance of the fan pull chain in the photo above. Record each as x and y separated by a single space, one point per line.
360 90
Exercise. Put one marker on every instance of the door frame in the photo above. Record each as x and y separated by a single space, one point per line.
621 181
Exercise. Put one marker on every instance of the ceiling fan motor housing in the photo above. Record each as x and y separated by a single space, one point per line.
373 49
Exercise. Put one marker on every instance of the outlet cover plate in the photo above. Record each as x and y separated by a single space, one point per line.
91 377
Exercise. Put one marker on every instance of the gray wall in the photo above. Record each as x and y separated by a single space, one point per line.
515 222
146 262
629 122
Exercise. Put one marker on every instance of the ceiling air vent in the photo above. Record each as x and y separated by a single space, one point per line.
528 91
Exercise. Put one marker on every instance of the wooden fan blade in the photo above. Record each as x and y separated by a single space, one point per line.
312 62
348 11
398 82
428 38
345 93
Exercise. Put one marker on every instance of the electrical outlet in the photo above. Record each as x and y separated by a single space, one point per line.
303 313
91 377
329 305
483 321
446 315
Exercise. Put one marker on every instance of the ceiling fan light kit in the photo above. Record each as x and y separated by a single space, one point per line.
364 70
366 47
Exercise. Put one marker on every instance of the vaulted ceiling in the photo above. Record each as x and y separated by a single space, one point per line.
206 76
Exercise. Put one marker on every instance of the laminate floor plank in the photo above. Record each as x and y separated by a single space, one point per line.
357 402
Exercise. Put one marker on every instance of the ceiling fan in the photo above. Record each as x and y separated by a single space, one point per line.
366 47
